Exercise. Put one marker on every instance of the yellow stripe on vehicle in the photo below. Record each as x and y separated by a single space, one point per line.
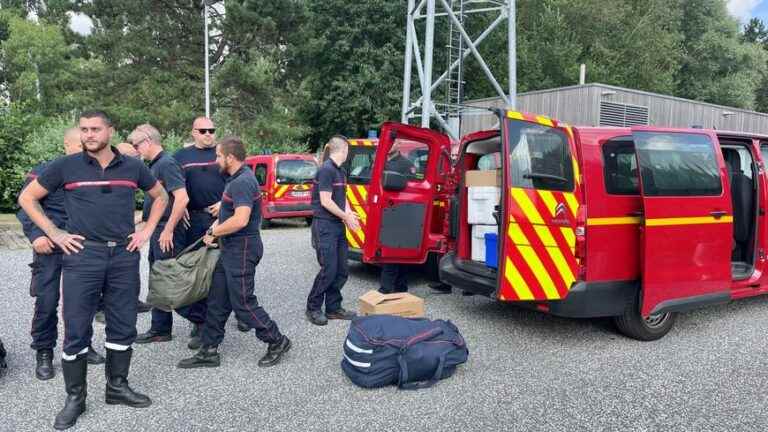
537 267
352 198
573 203
688 221
517 282
368 143
549 200
516 234
570 236
281 191
544 121
557 256
515 115
363 192
613 221
351 240
525 203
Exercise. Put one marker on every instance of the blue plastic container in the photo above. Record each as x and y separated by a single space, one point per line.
491 250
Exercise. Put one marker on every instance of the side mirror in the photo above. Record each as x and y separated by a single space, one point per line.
394 181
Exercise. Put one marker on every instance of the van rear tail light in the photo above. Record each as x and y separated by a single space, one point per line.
581 242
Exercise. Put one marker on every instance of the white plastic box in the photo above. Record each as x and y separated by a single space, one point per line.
478 240
482 201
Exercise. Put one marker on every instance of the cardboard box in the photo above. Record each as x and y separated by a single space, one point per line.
483 178
400 304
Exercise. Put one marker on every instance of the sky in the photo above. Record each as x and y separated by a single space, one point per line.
746 9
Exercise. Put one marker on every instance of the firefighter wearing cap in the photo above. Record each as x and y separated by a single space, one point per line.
101 256
330 213
232 287
46 270
168 239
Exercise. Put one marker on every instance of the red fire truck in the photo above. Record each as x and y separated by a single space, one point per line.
286 185
637 224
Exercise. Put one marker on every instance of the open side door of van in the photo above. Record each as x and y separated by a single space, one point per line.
401 193
687 233
541 190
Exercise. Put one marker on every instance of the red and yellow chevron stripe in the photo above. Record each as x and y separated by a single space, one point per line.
539 253
362 142
281 190
357 195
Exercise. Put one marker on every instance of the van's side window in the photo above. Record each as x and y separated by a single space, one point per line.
539 157
677 164
261 174
620 167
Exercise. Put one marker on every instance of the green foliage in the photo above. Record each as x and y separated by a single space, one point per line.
16 125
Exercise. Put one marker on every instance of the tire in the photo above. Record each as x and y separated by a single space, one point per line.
265 224
633 325
309 220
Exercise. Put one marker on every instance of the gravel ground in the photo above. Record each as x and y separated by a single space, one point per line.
526 371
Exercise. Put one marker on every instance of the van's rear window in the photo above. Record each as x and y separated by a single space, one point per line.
359 164
295 171
620 167
539 157
677 164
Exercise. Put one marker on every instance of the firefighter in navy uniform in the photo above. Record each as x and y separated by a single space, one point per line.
169 236
330 213
232 287
46 270
394 277
101 258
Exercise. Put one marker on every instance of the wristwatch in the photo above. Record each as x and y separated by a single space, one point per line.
210 232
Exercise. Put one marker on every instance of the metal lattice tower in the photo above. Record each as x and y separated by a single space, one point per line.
461 45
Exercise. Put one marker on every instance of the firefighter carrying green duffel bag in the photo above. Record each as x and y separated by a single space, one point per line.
181 281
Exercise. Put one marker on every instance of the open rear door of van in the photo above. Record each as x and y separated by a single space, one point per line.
400 202
687 234
542 186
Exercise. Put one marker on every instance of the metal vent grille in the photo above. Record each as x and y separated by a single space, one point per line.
622 115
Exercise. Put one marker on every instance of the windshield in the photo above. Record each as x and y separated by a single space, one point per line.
295 171
359 163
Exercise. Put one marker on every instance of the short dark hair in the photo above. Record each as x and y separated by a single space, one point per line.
97 113
232 145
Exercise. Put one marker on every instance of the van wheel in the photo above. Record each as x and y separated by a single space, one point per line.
309 220
265 223
633 325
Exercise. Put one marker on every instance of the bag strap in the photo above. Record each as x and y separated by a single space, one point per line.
190 247
402 385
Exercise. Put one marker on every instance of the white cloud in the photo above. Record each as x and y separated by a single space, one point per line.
742 9
80 23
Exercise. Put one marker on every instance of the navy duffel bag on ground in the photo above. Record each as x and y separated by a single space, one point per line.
382 350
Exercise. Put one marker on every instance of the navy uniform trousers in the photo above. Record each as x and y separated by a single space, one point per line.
162 321
100 272
394 278
329 239
232 290
44 287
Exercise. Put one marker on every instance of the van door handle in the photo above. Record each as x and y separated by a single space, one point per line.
718 214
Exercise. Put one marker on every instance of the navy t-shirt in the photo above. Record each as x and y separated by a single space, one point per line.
53 206
99 203
333 179
205 183
242 190
167 171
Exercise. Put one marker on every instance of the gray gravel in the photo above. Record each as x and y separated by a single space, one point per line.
526 371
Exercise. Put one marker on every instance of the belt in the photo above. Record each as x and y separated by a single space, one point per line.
109 244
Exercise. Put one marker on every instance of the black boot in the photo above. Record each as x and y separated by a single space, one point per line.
194 337
243 327
3 365
94 358
44 369
275 352
118 392
206 357
75 372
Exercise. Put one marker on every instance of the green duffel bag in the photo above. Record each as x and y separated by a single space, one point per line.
181 281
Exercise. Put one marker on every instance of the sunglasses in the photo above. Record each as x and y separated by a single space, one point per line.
210 131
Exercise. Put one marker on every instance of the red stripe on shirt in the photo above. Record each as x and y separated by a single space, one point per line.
123 183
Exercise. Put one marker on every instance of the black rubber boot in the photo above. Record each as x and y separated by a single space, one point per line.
243 327
3 365
94 358
75 373
194 337
118 392
275 352
44 369
206 357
